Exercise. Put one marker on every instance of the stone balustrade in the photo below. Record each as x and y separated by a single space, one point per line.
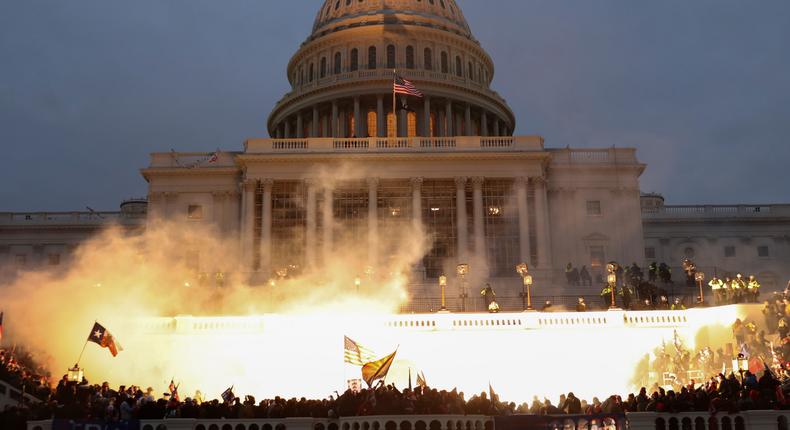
436 322
55 218
400 144
752 420
715 211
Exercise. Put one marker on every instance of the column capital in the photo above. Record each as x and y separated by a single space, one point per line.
249 184
373 181
540 180
477 180
416 182
460 181
267 184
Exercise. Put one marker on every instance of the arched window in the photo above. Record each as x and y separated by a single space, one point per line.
480 74
372 123
471 72
322 73
428 59
409 57
311 73
301 75
390 56
445 66
372 57
354 60
337 63
459 69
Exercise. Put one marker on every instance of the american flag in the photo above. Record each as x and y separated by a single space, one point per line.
355 353
402 86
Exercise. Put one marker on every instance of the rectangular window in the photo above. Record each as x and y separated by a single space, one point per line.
729 251
596 256
21 260
195 212
650 253
763 252
54 259
594 207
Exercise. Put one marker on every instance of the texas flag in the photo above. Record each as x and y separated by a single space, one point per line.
102 337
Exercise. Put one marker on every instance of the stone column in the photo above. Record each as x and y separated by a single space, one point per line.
478 222
484 123
523 219
328 222
357 119
496 126
440 124
449 118
278 132
310 234
468 121
463 229
248 223
381 118
266 225
373 221
416 203
426 119
287 133
316 122
342 124
333 125
542 223
299 125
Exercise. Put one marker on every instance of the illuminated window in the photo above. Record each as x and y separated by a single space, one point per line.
390 125
372 123
195 212
412 124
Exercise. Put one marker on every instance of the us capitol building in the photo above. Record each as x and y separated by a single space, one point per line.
339 163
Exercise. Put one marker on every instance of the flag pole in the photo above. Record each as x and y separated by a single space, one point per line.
394 112
81 352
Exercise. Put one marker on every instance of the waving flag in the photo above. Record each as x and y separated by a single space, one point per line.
402 86
228 395
102 337
356 354
377 369
421 380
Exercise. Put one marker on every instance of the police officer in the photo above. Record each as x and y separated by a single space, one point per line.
716 286
739 288
754 289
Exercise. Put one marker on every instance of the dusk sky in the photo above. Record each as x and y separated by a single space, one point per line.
88 88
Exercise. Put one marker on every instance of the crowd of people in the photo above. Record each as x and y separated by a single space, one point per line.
634 290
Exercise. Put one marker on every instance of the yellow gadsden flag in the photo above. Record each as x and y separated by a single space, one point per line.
377 369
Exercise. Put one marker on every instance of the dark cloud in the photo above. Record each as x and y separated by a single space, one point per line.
89 88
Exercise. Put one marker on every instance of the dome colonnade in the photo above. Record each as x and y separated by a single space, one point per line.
342 75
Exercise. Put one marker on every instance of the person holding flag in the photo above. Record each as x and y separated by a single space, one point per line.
174 390
227 395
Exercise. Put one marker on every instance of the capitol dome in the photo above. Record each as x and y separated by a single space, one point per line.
342 75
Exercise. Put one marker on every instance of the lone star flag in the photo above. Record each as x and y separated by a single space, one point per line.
173 390
355 353
402 86
228 395
102 337
377 369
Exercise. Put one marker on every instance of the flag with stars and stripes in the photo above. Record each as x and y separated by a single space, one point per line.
402 86
355 353
102 337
